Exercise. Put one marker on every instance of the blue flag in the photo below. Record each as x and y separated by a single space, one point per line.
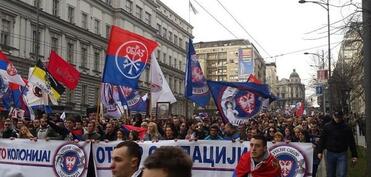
238 101
115 97
196 88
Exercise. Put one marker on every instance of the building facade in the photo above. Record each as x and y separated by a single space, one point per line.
220 59
348 75
271 76
290 91
79 30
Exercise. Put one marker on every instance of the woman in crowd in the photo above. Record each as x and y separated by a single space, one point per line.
25 133
152 133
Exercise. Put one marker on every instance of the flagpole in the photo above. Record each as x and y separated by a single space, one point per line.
98 103
149 109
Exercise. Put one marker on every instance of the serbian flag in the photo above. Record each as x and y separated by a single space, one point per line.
299 109
63 71
238 101
127 56
196 88
8 71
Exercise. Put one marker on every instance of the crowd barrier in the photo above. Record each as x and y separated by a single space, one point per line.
22 157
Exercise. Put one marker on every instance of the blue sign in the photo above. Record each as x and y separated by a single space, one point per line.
319 89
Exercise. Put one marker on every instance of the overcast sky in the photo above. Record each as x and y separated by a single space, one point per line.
279 26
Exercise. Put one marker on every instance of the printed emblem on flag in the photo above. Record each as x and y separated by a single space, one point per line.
135 56
291 159
238 105
70 160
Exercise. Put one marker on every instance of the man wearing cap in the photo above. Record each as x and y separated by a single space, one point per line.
336 137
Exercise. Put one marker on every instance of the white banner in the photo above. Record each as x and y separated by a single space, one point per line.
217 158
22 157
25 158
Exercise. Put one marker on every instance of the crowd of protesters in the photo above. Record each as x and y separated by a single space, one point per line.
275 127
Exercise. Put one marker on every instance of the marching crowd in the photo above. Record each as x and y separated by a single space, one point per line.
273 126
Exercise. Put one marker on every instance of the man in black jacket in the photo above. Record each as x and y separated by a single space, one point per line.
9 131
336 137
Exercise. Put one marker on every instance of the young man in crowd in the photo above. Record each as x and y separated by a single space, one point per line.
258 162
126 159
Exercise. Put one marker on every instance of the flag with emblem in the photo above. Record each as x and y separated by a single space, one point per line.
238 101
42 79
196 88
127 56
8 71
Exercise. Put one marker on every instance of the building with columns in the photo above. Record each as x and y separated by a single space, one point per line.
290 91
78 31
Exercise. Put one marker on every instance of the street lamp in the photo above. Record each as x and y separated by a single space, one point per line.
327 7
319 56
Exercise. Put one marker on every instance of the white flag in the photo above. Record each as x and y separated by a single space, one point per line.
63 116
160 90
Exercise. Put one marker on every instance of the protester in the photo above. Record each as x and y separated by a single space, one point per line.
258 162
91 134
336 138
168 161
9 131
126 158
214 133
25 133
152 133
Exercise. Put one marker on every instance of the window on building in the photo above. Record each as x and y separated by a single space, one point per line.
70 14
159 29
96 26
96 59
108 29
5 32
55 7
84 90
35 40
70 51
180 42
37 1
175 63
158 55
54 43
129 5
69 96
170 61
138 12
109 2
164 32
164 58
147 18
180 65
84 20
84 56
170 36
175 39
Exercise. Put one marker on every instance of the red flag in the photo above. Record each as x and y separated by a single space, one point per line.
299 109
252 78
62 71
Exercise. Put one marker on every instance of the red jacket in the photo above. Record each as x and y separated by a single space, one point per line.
269 167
